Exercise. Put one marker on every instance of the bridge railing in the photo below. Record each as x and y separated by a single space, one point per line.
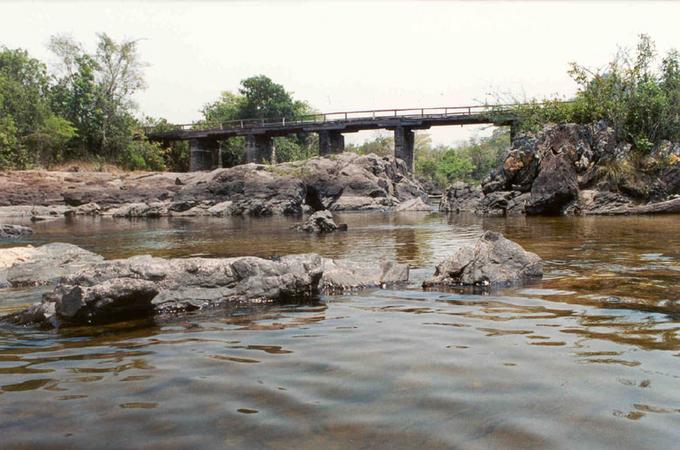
339 116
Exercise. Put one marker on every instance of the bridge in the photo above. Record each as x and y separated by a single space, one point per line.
204 138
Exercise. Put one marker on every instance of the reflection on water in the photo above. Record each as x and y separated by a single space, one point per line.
589 357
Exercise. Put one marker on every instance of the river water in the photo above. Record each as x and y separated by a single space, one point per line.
589 357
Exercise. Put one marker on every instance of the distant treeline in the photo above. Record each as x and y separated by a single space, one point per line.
82 110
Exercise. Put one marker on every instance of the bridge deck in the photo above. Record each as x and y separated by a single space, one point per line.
343 122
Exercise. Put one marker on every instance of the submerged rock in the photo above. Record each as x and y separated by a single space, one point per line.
144 285
14 231
493 261
320 222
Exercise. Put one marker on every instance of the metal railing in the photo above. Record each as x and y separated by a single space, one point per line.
340 116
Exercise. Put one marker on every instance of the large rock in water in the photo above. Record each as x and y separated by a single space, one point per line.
33 266
143 285
493 261
555 186
320 222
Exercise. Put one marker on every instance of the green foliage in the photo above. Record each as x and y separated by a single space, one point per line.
141 154
50 141
24 112
260 98
380 145
470 162
641 102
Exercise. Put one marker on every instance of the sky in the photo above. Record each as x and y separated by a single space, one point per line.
351 55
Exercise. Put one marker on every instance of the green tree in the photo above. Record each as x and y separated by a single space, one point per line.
260 98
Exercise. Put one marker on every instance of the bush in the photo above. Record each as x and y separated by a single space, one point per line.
143 155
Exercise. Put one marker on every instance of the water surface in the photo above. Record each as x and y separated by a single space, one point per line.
589 357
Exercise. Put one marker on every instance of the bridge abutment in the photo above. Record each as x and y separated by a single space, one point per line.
259 149
202 154
403 145
331 142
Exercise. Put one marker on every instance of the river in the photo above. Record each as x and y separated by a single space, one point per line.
589 357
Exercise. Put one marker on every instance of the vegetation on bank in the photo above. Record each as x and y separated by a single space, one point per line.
82 109
637 93
441 165
260 98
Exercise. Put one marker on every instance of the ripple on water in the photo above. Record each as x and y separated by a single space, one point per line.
587 355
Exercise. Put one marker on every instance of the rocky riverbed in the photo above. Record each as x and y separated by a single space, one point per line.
345 182
574 169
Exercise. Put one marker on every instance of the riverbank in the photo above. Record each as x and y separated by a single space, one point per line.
345 182
574 169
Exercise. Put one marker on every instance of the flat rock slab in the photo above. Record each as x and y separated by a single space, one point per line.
34 266
143 285
493 261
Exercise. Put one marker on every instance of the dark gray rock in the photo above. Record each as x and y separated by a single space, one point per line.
320 222
144 285
555 186
14 231
493 261
501 203
461 197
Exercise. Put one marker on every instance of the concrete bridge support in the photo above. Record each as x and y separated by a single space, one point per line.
331 142
259 149
403 146
202 154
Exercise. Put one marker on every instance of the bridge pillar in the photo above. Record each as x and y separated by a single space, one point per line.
259 149
403 146
331 142
201 154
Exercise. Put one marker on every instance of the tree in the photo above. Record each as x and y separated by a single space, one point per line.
27 125
260 98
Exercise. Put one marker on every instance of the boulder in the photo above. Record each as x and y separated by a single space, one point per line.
555 186
14 231
32 266
493 261
144 285
320 222
461 197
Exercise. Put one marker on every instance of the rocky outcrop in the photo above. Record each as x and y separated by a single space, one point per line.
344 182
576 169
320 222
143 285
493 261
33 266
555 186
14 231
461 197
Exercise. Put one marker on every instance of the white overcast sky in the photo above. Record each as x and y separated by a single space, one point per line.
351 55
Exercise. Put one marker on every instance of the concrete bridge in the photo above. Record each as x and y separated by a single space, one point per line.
204 139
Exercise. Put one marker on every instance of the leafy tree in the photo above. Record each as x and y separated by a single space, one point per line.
260 98
28 128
